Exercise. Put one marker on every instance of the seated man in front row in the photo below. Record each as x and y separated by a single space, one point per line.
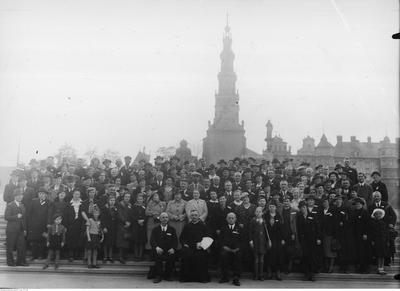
164 242
194 260
230 239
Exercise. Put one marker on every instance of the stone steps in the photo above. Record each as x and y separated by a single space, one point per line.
142 271
141 268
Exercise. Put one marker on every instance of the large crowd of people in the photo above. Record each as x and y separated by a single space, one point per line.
258 216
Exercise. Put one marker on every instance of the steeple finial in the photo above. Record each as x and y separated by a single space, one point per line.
227 28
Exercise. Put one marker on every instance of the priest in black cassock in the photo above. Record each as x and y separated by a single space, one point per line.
194 265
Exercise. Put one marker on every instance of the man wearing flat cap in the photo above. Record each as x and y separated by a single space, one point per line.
37 215
16 229
196 185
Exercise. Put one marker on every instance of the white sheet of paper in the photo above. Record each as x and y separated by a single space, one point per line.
206 242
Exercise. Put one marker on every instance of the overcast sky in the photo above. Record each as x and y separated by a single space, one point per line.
127 74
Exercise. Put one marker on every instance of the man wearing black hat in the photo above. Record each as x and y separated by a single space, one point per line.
34 181
221 165
28 192
346 188
273 181
70 181
237 183
37 215
225 175
203 168
16 229
8 195
359 219
378 185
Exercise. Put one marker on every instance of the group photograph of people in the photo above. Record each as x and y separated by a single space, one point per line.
196 220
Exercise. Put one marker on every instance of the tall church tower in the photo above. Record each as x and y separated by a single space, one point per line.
225 136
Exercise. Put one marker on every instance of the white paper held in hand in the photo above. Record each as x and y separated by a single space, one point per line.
206 242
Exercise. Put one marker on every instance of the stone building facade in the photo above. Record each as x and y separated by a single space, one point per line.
366 156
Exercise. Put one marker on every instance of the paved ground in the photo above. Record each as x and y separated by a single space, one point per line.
37 280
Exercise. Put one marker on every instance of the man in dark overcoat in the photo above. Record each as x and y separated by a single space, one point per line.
37 214
16 230
310 237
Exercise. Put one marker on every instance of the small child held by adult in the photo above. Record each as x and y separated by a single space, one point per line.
95 237
55 240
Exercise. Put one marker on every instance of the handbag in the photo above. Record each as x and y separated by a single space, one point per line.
335 245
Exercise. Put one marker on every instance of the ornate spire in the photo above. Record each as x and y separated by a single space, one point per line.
227 98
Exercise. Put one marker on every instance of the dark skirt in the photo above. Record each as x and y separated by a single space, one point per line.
327 243
139 233
274 256
124 237
110 238
94 242
74 234
55 242
380 247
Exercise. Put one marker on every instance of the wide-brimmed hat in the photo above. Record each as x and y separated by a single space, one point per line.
378 210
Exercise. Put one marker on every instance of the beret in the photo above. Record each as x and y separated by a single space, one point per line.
273 202
338 166
309 197
43 190
333 173
375 173
302 204
56 215
319 166
358 200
